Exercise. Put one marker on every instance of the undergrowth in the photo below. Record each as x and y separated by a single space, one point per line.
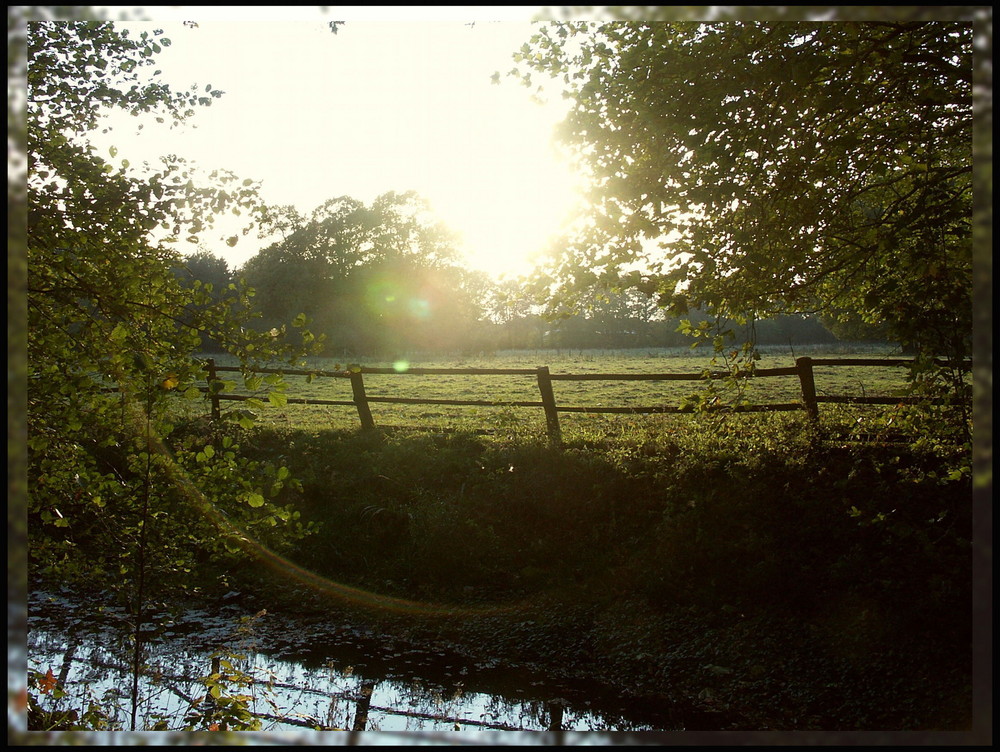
758 513
825 579
753 545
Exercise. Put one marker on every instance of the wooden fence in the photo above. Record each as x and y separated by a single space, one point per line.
361 401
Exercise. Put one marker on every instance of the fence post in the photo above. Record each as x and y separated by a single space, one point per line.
549 403
361 400
213 395
808 384
364 705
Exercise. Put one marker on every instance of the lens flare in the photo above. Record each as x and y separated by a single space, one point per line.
419 308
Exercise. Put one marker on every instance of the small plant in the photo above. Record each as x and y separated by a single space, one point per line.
41 718
230 701
224 707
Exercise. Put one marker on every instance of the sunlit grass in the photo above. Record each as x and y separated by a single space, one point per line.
853 381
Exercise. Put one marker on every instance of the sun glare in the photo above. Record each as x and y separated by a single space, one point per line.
506 215
379 107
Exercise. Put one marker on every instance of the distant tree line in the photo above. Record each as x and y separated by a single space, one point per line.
385 279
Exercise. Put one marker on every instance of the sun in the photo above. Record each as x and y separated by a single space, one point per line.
507 223
511 194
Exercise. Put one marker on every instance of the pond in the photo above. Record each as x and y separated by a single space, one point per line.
293 676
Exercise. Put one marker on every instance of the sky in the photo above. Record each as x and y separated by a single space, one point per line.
382 105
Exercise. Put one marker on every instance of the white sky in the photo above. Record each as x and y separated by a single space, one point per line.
402 104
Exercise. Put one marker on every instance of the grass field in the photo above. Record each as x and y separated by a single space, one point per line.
851 381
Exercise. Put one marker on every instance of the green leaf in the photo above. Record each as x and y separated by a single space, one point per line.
255 500
142 361
277 399
232 546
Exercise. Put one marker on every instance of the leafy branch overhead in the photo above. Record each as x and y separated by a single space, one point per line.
92 223
114 328
752 169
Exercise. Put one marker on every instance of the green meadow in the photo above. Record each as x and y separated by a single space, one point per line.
851 381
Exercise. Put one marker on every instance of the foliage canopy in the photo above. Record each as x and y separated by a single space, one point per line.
113 331
752 169
373 278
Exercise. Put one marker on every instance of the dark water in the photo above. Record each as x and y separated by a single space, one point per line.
298 677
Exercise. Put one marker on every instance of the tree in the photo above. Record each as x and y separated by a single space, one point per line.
374 278
204 271
113 333
756 169
91 253
511 314
206 267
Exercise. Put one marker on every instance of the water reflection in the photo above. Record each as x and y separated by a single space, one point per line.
329 689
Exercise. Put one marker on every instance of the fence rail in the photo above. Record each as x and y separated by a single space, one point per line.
361 401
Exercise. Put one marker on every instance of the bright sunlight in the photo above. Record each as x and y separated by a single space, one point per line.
376 107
